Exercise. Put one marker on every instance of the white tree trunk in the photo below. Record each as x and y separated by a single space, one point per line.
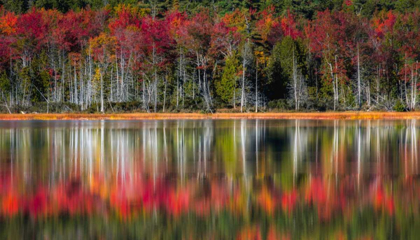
102 92
333 84
295 83
359 89
256 87
243 85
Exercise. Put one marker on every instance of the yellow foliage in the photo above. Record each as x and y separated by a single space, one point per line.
97 76
236 19
132 9
133 28
98 187
262 58
103 40
104 46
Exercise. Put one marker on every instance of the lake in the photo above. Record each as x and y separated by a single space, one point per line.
210 179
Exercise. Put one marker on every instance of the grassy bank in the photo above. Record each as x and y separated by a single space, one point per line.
151 116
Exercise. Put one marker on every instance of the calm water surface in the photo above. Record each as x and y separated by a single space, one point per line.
210 179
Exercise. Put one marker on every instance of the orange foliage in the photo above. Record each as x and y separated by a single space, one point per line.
250 233
8 23
10 204
235 19
266 201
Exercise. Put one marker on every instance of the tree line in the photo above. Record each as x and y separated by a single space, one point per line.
246 56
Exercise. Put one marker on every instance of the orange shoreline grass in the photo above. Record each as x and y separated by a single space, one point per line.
162 116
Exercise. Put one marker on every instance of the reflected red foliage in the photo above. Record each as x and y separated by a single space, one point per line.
128 197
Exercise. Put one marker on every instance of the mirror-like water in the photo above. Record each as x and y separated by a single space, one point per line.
209 179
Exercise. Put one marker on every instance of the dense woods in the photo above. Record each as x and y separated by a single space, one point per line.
163 56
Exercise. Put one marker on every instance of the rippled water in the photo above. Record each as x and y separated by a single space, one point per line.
209 179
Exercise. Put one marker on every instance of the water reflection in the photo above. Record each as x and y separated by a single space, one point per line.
244 147
243 179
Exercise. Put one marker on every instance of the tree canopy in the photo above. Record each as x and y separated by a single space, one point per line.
89 55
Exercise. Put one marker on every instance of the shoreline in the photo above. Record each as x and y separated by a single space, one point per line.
192 116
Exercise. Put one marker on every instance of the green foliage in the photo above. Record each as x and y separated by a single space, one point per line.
305 8
231 5
5 85
280 66
312 98
406 5
125 106
17 6
349 99
276 86
280 104
226 87
400 106
287 51
39 79
62 5
25 81
326 93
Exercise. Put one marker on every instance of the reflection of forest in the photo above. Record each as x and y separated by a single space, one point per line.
315 207
209 179
230 147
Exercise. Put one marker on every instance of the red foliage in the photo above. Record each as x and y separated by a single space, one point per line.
289 26
199 31
384 25
348 2
269 26
32 29
178 201
72 31
156 35
177 26
68 197
224 39
38 204
125 18
219 196
382 201
288 201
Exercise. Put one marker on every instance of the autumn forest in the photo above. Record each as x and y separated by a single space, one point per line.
208 56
